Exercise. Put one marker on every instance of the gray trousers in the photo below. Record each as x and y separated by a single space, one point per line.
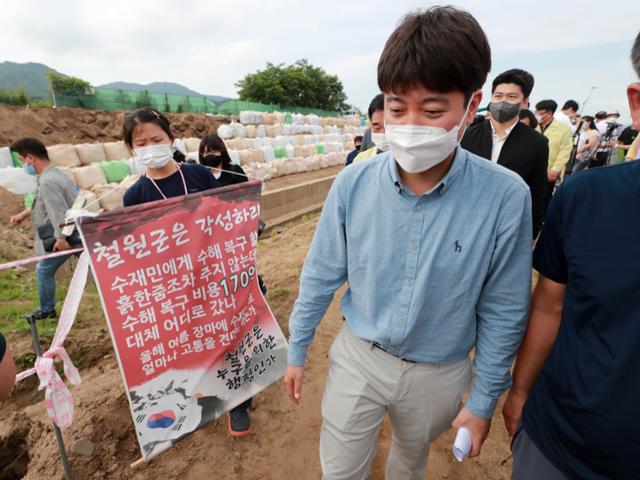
529 463
364 383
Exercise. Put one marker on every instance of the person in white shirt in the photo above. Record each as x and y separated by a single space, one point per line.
568 114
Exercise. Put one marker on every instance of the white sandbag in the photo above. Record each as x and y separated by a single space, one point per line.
260 131
245 117
89 176
89 153
234 156
5 157
256 155
250 131
277 130
129 181
17 181
259 142
270 130
192 144
300 165
325 161
245 157
91 203
180 145
268 154
116 151
63 155
112 195
290 151
239 130
225 132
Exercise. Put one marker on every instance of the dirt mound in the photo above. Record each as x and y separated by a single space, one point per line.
71 125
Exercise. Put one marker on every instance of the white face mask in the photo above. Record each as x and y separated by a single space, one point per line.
417 148
380 141
154 156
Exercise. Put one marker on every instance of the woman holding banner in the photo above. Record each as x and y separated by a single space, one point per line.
147 134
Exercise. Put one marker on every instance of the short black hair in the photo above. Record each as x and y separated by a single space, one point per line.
357 138
214 142
601 115
140 116
519 77
548 105
528 114
376 104
443 49
30 146
635 55
572 104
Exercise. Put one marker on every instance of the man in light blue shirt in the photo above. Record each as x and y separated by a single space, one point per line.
435 244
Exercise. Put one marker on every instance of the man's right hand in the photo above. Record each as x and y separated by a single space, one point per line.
17 219
293 382
512 411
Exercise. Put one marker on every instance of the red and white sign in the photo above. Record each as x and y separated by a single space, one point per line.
192 332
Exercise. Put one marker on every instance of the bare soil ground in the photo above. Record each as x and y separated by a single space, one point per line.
285 439
72 125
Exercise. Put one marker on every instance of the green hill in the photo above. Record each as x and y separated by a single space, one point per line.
169 88
29 77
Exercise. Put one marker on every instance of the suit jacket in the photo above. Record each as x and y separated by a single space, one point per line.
526 152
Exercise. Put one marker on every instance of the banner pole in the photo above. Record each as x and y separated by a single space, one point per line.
63 455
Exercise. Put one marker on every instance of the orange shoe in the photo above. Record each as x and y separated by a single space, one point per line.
239 422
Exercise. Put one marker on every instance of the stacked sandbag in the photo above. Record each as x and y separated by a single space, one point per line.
91 202
116 151
250 131
112 195
17 181
90 153
115 171
6 160
179 144
251 118
192 144
63 155
87 177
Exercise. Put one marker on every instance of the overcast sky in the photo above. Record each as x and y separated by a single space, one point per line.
207 45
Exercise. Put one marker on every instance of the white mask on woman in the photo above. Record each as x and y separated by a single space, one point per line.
154 156
417 148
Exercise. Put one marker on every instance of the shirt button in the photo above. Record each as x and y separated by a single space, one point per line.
419 208
413 247
408 283
402 318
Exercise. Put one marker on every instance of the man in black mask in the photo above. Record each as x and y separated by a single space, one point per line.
505 140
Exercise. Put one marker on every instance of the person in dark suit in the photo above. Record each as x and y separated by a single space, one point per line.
503 139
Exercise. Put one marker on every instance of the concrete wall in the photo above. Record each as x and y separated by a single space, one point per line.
285 204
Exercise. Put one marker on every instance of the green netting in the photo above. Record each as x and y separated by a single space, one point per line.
28 200
115 170
234 107
280 152
320 148
113 99
16 159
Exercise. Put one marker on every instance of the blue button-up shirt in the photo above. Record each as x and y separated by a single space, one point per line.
430 277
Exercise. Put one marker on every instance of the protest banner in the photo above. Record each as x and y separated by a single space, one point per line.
193 335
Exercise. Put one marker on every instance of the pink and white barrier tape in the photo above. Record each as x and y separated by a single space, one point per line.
58 399
26 261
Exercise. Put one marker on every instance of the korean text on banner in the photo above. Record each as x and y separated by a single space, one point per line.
192 332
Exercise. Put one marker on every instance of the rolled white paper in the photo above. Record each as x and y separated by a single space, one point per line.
462 445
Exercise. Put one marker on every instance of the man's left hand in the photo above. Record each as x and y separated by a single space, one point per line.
552 176
61 244
479 428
